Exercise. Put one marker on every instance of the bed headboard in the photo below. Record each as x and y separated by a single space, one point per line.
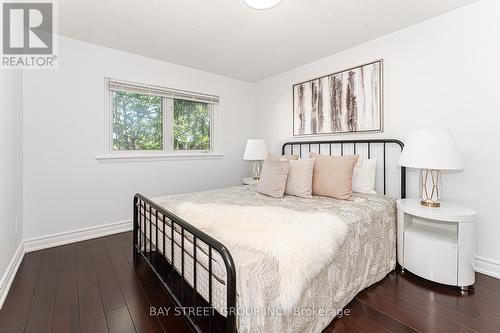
390 177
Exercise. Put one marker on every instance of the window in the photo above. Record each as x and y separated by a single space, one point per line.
154 121
137 121
191 125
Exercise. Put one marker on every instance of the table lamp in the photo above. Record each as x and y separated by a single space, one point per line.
431 150
255 151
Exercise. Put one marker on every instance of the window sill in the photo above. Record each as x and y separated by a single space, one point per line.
126 158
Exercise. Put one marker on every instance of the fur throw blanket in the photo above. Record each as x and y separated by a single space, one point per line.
302 243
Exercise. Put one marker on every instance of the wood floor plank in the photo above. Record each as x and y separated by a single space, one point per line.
14 312
92 318
418 296
119 321
66 311
41 313
114 303
160 298
366 318
407 313
153 288
111 294
341 326
472 304
137 302
487 282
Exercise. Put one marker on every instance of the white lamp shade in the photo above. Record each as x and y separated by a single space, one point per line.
255 150
431 149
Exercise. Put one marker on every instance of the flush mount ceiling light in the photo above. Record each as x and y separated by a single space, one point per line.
262 4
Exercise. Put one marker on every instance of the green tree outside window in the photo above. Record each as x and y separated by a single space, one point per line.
191 125
137 121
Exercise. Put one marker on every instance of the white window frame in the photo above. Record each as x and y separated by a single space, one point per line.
168 95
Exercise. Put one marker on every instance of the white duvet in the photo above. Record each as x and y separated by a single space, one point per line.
302 243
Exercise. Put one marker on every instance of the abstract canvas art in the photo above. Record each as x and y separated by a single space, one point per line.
344 102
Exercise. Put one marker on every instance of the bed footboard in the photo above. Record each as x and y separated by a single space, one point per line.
160 239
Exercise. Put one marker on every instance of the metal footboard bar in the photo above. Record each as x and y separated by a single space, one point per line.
155 230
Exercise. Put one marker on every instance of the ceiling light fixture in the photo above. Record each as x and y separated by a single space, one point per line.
262 4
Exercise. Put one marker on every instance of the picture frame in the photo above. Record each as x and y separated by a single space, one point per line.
349 101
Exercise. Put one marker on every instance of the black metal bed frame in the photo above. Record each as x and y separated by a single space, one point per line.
185 295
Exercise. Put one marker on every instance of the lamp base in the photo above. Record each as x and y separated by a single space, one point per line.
256 169
430 188
430 204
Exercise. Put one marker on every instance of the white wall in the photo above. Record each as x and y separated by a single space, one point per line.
441 73
65 188
10 169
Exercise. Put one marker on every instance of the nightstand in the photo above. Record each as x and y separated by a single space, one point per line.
250 181
437 243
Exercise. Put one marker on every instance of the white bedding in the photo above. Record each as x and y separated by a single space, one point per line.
289 236
330 280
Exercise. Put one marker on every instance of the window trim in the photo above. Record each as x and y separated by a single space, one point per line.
167 94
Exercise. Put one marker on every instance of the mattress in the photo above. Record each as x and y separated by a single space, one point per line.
367 255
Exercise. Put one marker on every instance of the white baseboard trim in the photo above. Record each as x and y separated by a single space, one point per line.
487 266
10 272
45 242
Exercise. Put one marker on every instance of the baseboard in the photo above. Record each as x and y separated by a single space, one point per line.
44 242
10 272
487 266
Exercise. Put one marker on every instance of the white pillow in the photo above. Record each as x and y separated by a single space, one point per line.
300 175
363 178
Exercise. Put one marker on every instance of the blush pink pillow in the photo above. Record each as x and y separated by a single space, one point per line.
333 175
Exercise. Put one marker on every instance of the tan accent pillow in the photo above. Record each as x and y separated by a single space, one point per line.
333 175
279 157
273 178
300 174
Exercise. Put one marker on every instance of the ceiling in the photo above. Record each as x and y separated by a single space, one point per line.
226 37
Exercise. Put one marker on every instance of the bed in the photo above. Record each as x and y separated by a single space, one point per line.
238 286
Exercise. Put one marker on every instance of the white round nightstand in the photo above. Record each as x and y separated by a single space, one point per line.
250 181
437 243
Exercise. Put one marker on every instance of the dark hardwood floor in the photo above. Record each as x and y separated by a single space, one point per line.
94 286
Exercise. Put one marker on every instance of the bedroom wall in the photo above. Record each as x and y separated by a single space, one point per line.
441 73
65 188
10 174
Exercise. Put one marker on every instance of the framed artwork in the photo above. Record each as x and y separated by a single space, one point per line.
345 102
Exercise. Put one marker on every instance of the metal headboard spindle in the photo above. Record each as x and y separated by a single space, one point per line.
355 143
